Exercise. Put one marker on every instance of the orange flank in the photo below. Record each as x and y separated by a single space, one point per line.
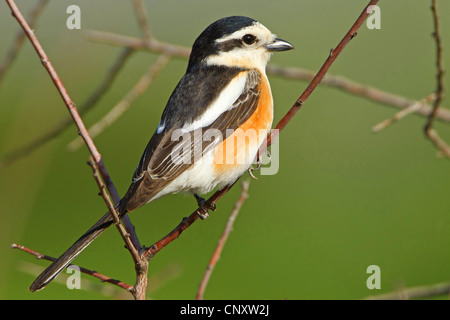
240 147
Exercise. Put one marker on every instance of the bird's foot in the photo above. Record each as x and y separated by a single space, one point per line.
204 206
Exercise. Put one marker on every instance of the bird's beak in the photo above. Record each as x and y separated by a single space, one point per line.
279 45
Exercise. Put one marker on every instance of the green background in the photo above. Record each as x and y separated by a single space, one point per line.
343 199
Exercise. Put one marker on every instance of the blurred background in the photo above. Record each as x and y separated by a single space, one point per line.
343 199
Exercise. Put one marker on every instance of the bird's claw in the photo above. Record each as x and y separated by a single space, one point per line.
258 166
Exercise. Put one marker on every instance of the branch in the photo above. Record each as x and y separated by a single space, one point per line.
439 66
139 44
144 82
95 274
19 39
403 113
428 129
420 292
223 239
125 236
141 15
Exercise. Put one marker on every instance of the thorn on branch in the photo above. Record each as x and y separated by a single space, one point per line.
298 103
331 52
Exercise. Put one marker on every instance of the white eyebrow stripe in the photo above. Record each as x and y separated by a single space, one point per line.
223 103
257 29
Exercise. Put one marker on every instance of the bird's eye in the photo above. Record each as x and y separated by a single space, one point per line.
249 39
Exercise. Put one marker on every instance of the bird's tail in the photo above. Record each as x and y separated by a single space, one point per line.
64 260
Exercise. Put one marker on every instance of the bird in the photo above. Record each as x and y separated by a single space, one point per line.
198 146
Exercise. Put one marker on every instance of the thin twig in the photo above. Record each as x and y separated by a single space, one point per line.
152 45
430 132
419 292
443 147
125 236
223 239
141 15
104 85
20 37
403 113
89 284
95 274
122 106
439 66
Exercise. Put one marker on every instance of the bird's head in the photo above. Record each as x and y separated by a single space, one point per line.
236 41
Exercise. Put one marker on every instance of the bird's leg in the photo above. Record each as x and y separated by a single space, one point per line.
204 205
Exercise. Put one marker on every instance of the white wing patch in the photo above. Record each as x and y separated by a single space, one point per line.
161 127
222 103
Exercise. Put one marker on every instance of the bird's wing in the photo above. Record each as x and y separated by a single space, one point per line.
173 150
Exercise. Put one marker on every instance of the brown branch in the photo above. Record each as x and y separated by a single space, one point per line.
95 274
19 39
431 133
223 239
439 66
